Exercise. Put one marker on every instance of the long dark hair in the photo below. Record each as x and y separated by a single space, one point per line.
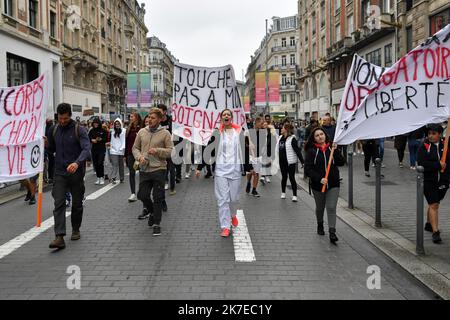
139 120
311 142
117 132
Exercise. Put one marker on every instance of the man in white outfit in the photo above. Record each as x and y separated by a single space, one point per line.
228 173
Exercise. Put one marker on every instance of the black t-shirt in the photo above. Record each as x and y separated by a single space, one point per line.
282 150
103 139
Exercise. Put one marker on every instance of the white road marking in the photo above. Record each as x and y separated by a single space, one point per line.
97 194
26 237
14 244
243 248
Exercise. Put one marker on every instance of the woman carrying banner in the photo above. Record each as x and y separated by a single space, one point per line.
228 171
318 149
436 182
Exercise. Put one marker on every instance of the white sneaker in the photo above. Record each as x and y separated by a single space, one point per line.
294 199
166 187
2 185
132 198
267 179
102 181
98 181
383 165
187 176
283 196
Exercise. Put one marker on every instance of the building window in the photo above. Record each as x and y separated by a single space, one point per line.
8 7
314 51
292 59
322 14
306 91
350 28
276 61
110 57
388 55
283 79
306 30
20 70
283 98
386 6
292 97
306 57
292 41
338 32
409 5
439 21
323 47
283 42
364 8
77 108
314 23
314 88
374 57
283 61
337 5
33 10
292 79
52 24
409 39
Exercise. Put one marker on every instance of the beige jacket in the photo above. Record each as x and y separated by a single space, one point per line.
161 140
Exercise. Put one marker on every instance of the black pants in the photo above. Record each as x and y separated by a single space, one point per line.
51 165
285 171
130 163
98 160
170 174
370 153
400 154
148 182
178 169
74 184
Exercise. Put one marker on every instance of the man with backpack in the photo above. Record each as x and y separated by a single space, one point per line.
70 143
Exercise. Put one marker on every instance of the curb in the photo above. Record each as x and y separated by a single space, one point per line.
431 270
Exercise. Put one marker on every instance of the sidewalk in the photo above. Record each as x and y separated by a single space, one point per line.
397 238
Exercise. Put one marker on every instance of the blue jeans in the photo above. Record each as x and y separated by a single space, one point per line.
413 147
381 149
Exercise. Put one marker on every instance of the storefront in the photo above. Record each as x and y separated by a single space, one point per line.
22 62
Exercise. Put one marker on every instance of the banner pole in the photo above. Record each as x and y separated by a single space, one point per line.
444 156
39 204
328 169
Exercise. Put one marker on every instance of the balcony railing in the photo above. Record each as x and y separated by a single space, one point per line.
285 48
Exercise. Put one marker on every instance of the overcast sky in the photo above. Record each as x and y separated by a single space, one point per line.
213 33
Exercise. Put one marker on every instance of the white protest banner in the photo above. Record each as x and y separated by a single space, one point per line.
22 124
361 76
412 93
200 94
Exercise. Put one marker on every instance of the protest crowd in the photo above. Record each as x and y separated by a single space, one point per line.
240 153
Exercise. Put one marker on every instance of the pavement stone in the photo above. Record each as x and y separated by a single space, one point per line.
120 259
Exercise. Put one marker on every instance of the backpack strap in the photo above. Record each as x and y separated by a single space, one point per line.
55 128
